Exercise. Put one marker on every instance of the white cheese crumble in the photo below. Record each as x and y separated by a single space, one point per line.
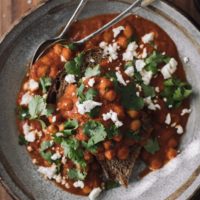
120 78
129 71
148 37
130 51
168 119
157 89
146 76
144 53
117 31
62 58
48 172
87 106
56 156
113 116
33 85
79 184
26 98
139 64
179 129
29 135
186 59
95 193
70 78
185 111
54 119
151 106
169 68
91 82
110 50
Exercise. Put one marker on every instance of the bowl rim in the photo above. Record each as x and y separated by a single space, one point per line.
43 3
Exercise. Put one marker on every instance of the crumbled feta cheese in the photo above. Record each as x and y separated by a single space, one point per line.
179 129
151 106
26 98
113 116
63 160
29 148
48 172
59 134
173 125
56 156
92 60
54 119
157 89
185 111
33 85
28 134
146 76
120 78
130 51
186 59
139 64
91 82
168 119
62 58
57 178
148 37
129 71
169 68
144 53
79 184
70 78
116 31
87 106
110 50
95 193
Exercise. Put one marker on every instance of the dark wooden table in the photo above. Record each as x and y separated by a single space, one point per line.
11 10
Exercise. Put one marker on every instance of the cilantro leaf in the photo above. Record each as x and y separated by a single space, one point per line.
22 113
70 126
45 83
71 46
94 112
148 90
92 149
152 146
44 146
38 107
96 131
76 174
89 72
74 66
175 91
22 140
129 99
112 130
134 135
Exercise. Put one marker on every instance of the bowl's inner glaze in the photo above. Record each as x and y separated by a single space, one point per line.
16 52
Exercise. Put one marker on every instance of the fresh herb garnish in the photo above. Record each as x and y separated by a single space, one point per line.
22 113
111 184
22 140
38 107
71 46
175 91
76 174
152 146
148 90
92 149
129 99
96 131
94 112
112 130
74 66
70 126
45 83
44 146
72 151
134 135
89 72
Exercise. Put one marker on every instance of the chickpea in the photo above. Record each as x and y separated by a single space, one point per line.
171 153
65 104
155 164
107 144
67 53
42 70
53 72
52 129
35 124
81 136
45 60
117 138
119 110
61 127
86 190
128 31
172 143
122 42
109 154
108 36
57 49
88 156
135 125
104 85
133 114
101 156
110 95
123 153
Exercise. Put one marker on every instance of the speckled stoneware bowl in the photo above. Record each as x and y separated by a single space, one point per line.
177 180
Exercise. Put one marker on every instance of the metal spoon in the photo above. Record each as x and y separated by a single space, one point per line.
43 47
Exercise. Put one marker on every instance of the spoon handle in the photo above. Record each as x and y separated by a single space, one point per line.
112 22
73 17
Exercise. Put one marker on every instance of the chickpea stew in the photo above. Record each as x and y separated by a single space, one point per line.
133 103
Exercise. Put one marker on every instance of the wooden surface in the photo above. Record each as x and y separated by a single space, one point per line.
11 10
